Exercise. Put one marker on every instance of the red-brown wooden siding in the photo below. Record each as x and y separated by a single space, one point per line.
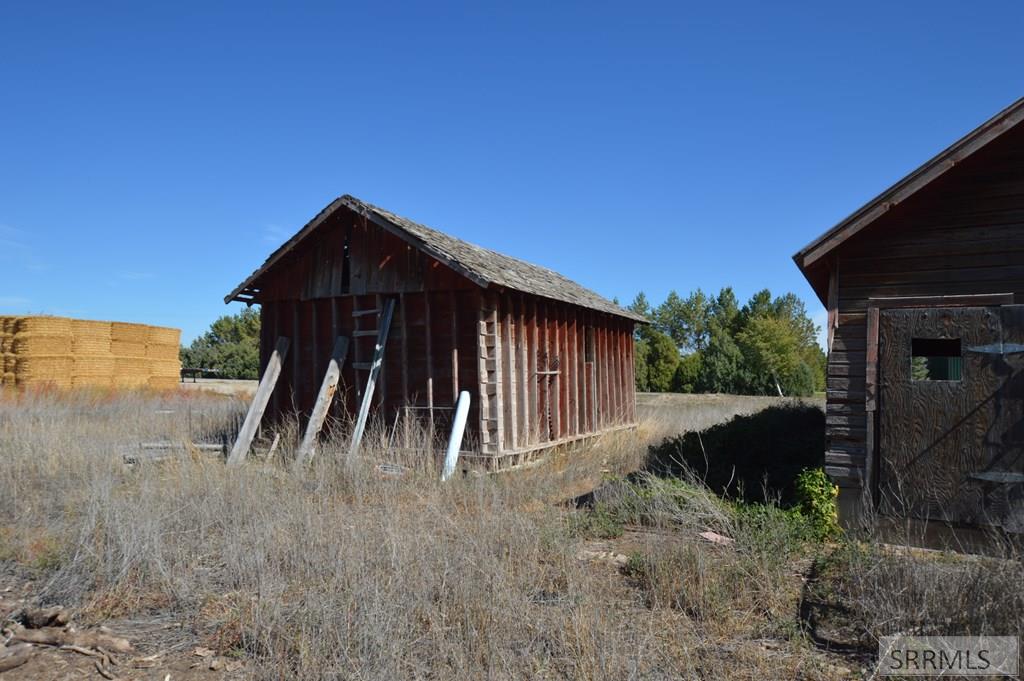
962 235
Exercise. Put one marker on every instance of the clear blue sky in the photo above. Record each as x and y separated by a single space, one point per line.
151 157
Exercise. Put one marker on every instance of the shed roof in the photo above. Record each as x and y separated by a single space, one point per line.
481 265
813 254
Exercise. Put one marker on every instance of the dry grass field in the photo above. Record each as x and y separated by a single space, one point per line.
338 571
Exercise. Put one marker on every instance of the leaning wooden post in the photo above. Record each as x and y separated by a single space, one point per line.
259 403
323 401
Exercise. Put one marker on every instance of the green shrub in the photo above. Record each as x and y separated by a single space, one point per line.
599 522
816 498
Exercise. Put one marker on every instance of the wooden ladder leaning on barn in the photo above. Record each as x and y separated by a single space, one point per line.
383 314
491 409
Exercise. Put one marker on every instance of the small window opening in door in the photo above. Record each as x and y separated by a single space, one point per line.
589 355
936 359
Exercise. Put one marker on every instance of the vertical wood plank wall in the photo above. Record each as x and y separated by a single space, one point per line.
429 357
565 372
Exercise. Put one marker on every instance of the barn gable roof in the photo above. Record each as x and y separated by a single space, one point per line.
813 253
480 265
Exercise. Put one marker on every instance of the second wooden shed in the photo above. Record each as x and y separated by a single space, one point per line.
925 406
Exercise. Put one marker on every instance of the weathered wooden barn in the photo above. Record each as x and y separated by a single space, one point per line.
925 405
546 361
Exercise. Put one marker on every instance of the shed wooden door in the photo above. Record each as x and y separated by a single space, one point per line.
950 414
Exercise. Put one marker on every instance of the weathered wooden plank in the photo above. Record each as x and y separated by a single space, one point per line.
297 338
323 401
240 450
572 357
851 370
845 396
453 300
404 330
522 348
543 363
847 343
428 333
845 383
871 362
509 359
535 398
853 420
556 379
951 294
852 473
269 340
932 277
832 305
1003 252
632 382
842 458
383 371
836 407
498 408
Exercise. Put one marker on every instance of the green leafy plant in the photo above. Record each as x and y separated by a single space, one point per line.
816 498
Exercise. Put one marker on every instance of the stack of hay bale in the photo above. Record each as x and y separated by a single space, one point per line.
76 353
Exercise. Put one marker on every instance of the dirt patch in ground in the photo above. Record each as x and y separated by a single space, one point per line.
164 647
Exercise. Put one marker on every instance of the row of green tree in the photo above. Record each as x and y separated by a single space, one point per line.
231 347
710 344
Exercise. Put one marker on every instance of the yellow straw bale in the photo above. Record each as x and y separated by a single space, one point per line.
42 367
164 367
65 353
162 335
47 326
92 381
131 366
27 344
130 381
123 348
132 333
42 370
92 366
89 337
163 382
166 352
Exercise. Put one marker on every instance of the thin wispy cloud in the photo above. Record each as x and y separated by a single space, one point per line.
134 276
11 238
15 247
275 234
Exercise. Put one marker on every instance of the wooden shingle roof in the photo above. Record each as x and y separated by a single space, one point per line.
483 266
